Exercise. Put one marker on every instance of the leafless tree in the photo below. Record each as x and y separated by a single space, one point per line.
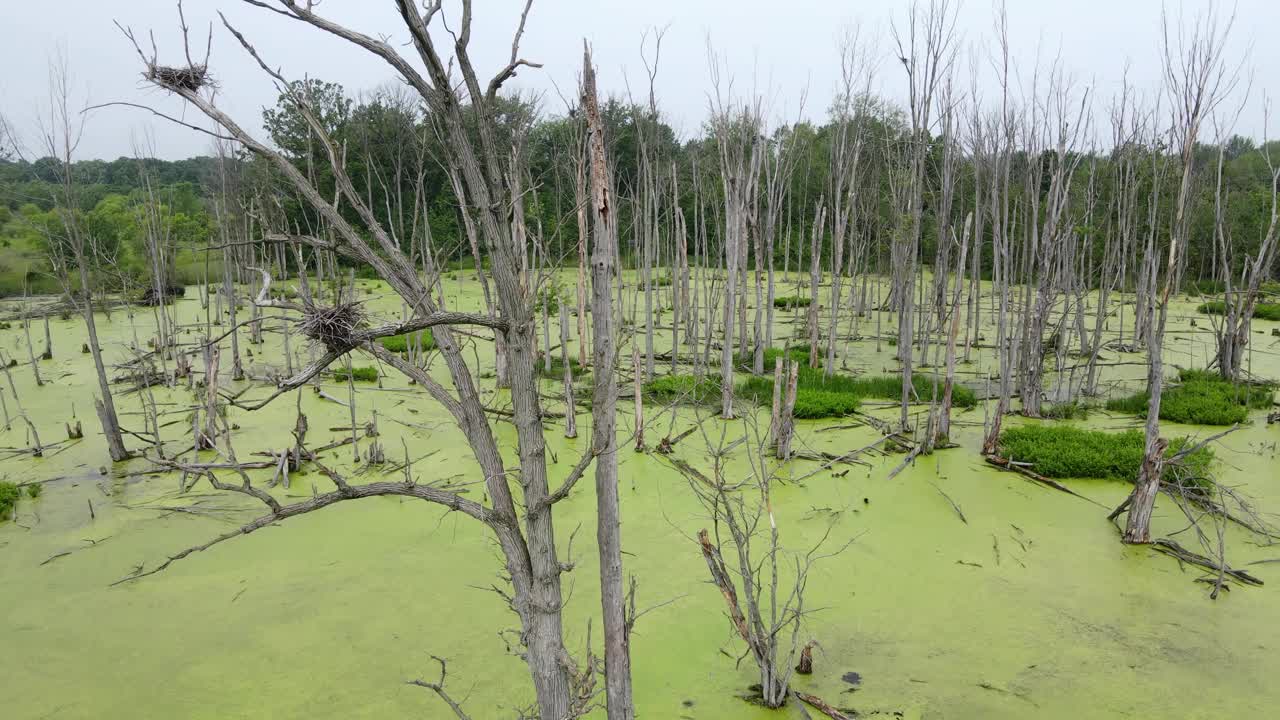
1197 79
480 165
764 598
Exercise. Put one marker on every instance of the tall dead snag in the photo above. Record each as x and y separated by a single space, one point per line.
943 430
570 408
1196 80
926 47
764 598
1003 135
617 649
1239 303
1053 140
72 252
737 131
462 109
815 278
847 142
787 412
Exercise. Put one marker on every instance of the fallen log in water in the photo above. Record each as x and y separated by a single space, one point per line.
1007 464
820 705
1172 548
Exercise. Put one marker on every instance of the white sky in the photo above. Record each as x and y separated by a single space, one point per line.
780 47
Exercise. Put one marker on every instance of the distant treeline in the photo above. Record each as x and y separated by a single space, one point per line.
393 156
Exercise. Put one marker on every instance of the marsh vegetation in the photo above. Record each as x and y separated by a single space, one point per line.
949 407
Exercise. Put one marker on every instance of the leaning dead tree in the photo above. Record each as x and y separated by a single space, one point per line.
1197 78
75 253
461 108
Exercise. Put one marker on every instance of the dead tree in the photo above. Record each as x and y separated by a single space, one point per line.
737 130
1239 303
765 599
472 148
617 656
1197 78
71 254
927 48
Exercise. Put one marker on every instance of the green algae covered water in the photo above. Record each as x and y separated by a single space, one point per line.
1028 607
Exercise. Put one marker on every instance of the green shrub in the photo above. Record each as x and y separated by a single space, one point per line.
1201 397
792 301
34 490
841 394
358 374
800 354
1261 311
684 388
1073 410
888 387
557 368
1206 287
8 499
404 342
551 294
1066 451
812 403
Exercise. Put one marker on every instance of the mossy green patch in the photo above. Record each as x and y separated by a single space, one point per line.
684 388
557 368
1067 451
792 301
8 499
1071 410
358 374
1261 311
1201 397
406 341
819 396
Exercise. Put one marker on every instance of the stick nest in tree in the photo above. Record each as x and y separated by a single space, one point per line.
332 325
192 77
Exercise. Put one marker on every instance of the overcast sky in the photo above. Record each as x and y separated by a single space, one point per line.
781 48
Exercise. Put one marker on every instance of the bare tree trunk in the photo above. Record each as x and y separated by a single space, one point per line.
570 407
1198 78
105 405
617 657
786 418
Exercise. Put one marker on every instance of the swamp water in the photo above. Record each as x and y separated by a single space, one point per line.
1030 607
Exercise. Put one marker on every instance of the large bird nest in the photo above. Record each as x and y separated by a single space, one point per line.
192 77
332 325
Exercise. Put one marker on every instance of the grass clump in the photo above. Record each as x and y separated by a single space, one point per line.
358 374
1065 451
1261 311
1201 397
771 355
9 494
557 368
406 341
792 301
819 397
812 401
34 490
1072 410
684 388
1206 287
